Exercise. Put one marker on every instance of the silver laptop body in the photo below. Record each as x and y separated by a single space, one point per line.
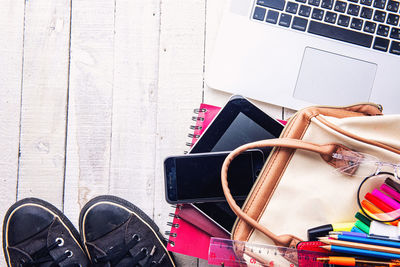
295 65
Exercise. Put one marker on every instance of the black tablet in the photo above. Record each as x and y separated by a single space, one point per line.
239 122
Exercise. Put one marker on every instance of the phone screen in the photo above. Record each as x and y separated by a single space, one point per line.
198 176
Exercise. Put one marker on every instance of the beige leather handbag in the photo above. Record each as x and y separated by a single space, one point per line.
298 187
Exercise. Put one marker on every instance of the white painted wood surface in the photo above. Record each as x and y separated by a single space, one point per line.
95 94
11 57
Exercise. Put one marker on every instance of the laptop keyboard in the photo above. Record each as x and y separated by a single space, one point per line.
367 23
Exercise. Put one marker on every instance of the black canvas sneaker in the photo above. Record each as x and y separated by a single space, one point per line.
115 233
37 234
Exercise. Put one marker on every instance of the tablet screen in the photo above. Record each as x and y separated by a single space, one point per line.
241 131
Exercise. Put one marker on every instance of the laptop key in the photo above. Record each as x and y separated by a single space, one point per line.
379 16
341 34
392 19
314 2
343 20
353 10
356 23
381 44
275 4
328 4
299 24
301 1
354 1
304 11
395 48
392 6
340 6
291 7
272 16
259 13
366 2
395 33
285 20
380 4
383 30
317 14
330 17
369 26
366 12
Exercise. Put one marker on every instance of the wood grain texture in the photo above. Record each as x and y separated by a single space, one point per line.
11 53
97 93
90 103
134 121
179 88
44 100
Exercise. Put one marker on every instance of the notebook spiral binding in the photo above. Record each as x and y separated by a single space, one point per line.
172 224
198 119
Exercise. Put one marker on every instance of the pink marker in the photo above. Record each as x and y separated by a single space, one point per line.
390 191
389 201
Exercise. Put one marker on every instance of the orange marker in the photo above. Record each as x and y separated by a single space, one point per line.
376 212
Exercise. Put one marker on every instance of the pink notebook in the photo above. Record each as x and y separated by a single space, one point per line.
188 223
183 233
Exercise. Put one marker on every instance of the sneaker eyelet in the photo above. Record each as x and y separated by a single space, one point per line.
60 241
69 252
137 237
145 250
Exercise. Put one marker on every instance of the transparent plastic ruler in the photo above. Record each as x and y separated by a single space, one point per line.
225 252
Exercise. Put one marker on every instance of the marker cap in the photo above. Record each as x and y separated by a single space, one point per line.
319 231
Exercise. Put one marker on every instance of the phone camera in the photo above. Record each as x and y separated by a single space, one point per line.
257 172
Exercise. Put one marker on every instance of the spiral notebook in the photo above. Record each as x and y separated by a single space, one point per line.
188 223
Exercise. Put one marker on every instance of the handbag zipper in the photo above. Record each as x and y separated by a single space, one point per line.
378 106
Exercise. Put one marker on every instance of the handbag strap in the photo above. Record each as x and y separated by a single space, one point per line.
324 150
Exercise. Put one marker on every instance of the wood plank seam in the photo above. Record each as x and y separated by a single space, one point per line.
20 110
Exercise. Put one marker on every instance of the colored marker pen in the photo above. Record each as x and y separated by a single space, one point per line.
323 230
362 226
390 191
375 211
389 201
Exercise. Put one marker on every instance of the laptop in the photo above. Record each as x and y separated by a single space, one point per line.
297 53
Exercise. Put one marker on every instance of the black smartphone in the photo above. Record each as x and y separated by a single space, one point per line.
196 178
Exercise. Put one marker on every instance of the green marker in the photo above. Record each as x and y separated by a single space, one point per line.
363 218
362 226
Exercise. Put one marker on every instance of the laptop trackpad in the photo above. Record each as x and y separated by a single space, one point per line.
331 79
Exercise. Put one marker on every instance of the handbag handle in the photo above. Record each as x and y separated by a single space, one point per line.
324 150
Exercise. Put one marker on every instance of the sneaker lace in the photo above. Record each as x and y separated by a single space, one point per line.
43 256
116 254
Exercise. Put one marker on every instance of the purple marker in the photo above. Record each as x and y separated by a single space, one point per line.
389 201
355 234
390 191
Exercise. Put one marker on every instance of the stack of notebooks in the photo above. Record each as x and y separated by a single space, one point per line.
188 223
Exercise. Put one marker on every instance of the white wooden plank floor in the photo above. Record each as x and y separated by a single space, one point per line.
95 94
